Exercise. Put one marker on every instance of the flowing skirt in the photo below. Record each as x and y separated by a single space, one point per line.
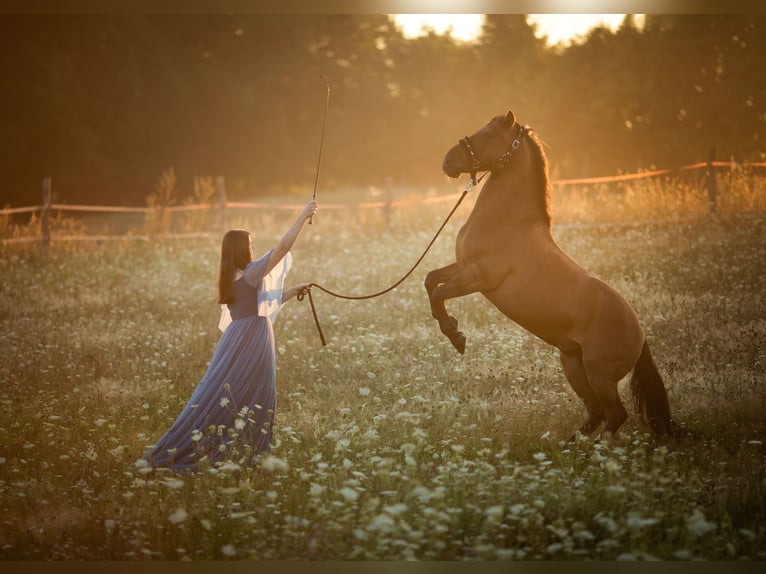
231 412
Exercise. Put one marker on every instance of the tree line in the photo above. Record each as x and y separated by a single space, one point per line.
105 103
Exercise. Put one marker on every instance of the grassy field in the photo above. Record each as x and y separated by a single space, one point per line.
389 445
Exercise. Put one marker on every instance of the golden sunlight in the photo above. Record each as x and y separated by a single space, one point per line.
461 27
567 29
557 29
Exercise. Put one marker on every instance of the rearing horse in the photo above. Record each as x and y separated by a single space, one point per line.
506 252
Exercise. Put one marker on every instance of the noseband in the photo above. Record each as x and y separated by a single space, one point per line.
497 164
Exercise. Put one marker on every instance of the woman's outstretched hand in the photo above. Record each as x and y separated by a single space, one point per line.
310 209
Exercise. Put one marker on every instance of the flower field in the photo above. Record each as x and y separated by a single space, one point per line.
388 444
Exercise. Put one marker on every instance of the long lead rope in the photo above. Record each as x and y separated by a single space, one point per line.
300 296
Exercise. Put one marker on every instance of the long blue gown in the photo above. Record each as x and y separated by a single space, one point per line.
231 412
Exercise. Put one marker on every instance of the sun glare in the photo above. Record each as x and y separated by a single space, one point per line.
565 29
558 29
461 27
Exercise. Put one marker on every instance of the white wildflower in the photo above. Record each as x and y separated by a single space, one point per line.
342 444
396 509
272 463
224 401
178 516
360 534
636 522
371 434
349 494
627 557
117 451
316 489
381 523
422 493
697 525
494 514
607 522
172 483
364 391
229 466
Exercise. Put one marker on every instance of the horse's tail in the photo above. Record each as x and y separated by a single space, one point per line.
649 395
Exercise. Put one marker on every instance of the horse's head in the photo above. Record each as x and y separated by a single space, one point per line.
486 150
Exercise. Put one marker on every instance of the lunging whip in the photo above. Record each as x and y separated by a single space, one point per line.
311 219
321 141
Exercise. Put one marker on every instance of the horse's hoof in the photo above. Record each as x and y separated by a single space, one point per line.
458 340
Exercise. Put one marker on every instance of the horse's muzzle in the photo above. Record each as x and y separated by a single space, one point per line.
451 163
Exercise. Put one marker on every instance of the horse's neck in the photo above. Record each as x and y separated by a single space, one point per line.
513 199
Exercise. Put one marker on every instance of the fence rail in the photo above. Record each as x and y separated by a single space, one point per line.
222 205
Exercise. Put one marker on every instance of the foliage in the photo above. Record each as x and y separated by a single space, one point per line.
388 445
107 101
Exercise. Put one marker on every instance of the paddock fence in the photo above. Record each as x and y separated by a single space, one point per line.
222 206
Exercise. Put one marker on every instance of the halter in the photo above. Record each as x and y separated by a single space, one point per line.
496 165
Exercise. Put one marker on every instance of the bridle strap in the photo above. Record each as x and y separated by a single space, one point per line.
468 146
475 163
496 165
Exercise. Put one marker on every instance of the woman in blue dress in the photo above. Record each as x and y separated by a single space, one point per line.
231 412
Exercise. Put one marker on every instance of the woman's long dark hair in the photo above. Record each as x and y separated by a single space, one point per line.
235 254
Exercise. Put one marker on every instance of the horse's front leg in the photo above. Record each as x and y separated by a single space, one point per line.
433 280
447 283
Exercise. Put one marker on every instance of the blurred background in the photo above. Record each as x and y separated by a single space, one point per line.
104 104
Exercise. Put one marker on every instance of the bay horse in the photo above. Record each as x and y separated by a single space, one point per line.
505 251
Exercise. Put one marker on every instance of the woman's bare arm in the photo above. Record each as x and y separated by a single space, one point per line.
287 241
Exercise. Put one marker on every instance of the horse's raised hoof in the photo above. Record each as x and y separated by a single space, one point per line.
458 341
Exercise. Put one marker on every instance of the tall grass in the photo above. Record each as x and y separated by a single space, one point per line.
388 445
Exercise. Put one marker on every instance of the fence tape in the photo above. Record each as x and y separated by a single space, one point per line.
365 205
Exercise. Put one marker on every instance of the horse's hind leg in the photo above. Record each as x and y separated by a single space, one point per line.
578 379
603 381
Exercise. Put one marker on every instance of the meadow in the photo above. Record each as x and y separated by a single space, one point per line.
388 444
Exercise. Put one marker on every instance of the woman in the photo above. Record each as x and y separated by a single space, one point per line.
230 414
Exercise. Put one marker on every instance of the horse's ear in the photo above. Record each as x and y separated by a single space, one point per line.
509 118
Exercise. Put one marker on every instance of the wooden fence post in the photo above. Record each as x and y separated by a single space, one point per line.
712 187
220 184
46 212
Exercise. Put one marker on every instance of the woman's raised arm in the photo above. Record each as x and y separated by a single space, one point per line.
287 241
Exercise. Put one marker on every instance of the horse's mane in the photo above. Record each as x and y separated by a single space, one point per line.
541 165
